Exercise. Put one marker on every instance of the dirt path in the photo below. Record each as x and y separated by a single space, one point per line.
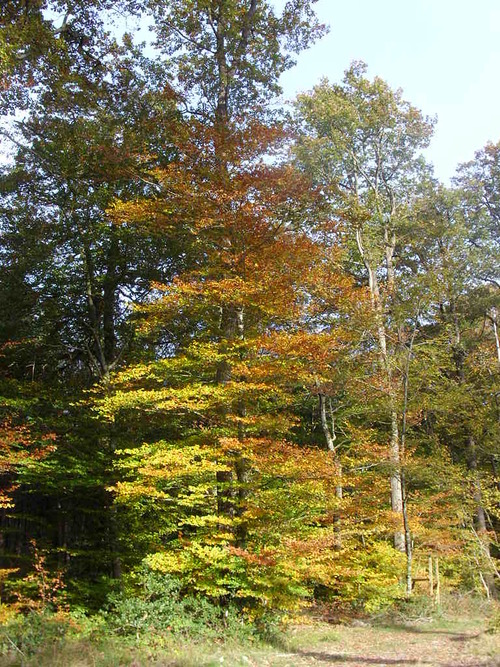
379 647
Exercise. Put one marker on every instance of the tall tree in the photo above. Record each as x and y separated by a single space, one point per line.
247 219
362 140
93 129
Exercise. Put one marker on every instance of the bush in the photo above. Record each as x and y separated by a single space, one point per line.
161 607
372 582
27 634
152 615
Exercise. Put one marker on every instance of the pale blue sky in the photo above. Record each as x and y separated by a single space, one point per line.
444 54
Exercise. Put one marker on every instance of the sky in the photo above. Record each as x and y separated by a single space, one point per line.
444 54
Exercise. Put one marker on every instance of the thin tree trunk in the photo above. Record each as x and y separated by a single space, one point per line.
408 544
493 317
394 443
396 482
110 285
331 437
406 523
438 583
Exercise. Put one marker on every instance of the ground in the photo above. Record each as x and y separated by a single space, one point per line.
461 639
382 646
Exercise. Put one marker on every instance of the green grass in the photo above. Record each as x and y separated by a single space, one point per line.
73 640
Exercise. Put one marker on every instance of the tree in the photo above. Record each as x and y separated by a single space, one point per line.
458 348
227 56
361 141
223 394
91 133
244 215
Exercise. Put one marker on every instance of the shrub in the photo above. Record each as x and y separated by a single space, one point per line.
159 606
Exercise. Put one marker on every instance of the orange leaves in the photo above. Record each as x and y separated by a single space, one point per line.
18 447
257 343
316 349
286 460
19 443
265 558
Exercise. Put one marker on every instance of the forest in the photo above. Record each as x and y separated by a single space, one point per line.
249 351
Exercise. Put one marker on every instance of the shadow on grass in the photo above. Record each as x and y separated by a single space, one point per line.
453 635
337 658
357 659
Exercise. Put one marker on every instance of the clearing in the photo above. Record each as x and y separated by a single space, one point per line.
430 645
441 642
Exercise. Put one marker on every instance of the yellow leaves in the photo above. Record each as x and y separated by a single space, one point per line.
6 501
169 461
127 491
195 398
165 562
292 460
193 558
210 521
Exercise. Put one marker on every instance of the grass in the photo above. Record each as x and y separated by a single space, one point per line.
63 642
163 650
467 610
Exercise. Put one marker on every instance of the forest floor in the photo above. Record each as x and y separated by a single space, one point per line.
442 642
430 645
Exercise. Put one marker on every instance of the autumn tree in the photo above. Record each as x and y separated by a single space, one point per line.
460 350
361 140
478 187
94 125
247 212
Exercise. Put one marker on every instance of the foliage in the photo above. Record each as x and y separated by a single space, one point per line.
159 606
239 357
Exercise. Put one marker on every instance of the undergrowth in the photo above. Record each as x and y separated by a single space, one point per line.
153 620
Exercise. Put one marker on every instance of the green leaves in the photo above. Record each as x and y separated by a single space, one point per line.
227 56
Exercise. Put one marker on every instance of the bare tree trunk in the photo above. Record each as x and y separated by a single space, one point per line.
331 437
494 323
110 288
396 484
438 583
404 489
408 543
394 443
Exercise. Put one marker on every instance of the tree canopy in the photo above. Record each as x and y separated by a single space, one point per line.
251 353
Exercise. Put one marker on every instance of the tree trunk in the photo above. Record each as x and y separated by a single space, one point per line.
110 285
408 541
494 317
330 437
230 495
396 486
394 443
